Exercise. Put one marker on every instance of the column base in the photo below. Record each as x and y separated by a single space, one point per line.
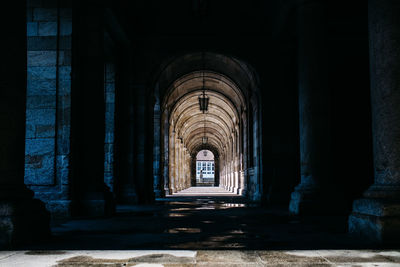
376 220
23 221
59 209
95 204
157 193
128 196
315 201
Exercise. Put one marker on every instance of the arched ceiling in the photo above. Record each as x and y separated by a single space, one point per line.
226 103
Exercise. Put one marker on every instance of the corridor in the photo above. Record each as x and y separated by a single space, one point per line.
200 132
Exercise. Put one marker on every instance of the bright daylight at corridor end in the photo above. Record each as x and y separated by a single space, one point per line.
200 133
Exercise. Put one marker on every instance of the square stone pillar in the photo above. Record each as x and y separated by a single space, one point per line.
22 218
91 195
314 193
377 216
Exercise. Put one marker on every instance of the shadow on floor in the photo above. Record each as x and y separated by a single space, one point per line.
201 223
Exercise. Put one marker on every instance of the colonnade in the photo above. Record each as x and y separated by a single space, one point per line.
180 158
231 176
376 216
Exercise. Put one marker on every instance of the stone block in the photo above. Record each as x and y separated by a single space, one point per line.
63 145
47 29
39 161
64 103
39 43
45 14
64 118
65 42
59 209
41 73
109 138
29 131
44 58
64 73
109 150
41 116
40 102
65 27
45 131
64 87
110 87
32 29
109 121
39 146
41 87
62 161
67 59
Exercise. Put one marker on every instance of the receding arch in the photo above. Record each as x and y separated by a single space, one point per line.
231 85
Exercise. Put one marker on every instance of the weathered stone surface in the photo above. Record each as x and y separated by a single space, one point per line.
40 43
41 87
45 14
44 58
39 161
41 116
377 216
65 27
47 29
41 73
45 131
59 209
64 87
30 130
65 73
41 102
32 29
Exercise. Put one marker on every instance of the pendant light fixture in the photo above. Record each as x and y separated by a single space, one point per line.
203 102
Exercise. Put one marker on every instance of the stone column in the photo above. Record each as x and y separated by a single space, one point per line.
171 159
176 180
88 120
125 130
377 215
22 218
142 163
313 108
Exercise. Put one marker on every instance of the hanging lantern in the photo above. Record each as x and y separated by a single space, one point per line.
203 102
204 140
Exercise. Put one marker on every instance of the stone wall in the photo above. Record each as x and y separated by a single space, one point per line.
49 29
109 93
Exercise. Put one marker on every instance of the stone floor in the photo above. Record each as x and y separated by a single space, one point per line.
204 191
191 258
207 228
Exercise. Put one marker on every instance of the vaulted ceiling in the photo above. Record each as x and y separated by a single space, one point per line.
218 123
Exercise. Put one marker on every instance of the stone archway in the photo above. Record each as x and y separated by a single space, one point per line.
213 150
232 87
